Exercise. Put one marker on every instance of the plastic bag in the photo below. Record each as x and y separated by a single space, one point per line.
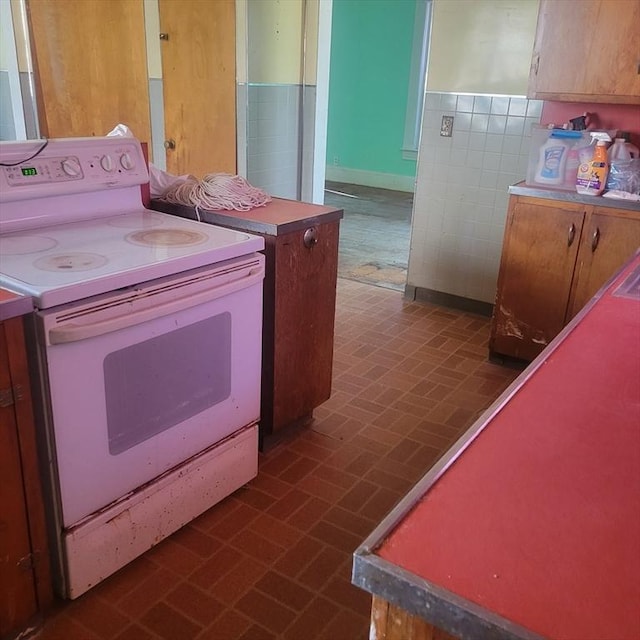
121 130
160 181
624 175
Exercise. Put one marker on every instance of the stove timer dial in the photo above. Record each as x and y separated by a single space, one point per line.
71 167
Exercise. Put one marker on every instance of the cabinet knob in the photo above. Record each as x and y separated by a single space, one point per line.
169 144
595 239
310 237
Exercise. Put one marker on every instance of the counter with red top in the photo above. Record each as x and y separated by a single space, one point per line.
529 527
14 304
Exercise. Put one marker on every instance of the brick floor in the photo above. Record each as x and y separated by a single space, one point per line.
273 561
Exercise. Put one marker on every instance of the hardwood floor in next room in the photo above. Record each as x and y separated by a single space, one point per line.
374 233
273 561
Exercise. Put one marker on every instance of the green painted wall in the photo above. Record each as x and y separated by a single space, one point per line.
371 43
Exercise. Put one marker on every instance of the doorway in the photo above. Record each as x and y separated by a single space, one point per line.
374 233
376 89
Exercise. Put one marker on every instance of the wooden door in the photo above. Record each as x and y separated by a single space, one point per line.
587 50
536 271
199 84
611 237
90 66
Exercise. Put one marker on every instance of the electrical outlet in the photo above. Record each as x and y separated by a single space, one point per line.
446 128
336 161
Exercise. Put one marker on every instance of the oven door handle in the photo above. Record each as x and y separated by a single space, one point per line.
73 332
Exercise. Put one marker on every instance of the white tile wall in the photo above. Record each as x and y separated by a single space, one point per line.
279 144
461 193
7 125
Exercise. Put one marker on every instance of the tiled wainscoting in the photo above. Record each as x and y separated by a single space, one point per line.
461 195
277 120
7 125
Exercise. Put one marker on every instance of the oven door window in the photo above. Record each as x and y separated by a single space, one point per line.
165 380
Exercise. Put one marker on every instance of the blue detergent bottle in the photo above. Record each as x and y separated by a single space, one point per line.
553 157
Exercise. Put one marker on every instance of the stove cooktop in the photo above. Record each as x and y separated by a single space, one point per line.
72 223
67 262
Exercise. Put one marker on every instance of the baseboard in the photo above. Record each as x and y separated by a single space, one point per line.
420 294
371 179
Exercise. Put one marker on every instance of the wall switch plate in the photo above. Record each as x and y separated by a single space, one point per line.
446 128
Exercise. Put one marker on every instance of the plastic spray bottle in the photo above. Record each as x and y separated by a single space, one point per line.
592 176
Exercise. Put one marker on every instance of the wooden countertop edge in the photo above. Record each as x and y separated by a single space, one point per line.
311 215
14 304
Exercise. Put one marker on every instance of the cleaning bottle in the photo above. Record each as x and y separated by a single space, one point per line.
552 159
592 176
577 146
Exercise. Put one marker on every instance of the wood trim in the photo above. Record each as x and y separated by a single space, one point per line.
389 622
584 97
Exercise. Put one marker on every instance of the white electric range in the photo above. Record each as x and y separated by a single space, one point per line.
146 348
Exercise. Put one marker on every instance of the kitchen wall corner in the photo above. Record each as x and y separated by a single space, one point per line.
460 202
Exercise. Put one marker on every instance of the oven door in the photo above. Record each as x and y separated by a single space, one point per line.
141 380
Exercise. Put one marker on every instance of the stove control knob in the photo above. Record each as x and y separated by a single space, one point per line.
127 161
71 167
107 163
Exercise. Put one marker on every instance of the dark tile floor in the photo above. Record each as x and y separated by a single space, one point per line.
273 560
374 233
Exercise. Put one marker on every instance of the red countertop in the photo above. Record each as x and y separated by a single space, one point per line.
14 304
538 519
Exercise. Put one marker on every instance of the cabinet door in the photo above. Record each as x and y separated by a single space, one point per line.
538 258
90 67
610 239
25 575
587 50
18 602
305 296
199 85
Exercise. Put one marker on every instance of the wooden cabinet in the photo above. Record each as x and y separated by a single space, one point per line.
610 236
299 317
587 51
390 622
301 271
555 257
25 583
